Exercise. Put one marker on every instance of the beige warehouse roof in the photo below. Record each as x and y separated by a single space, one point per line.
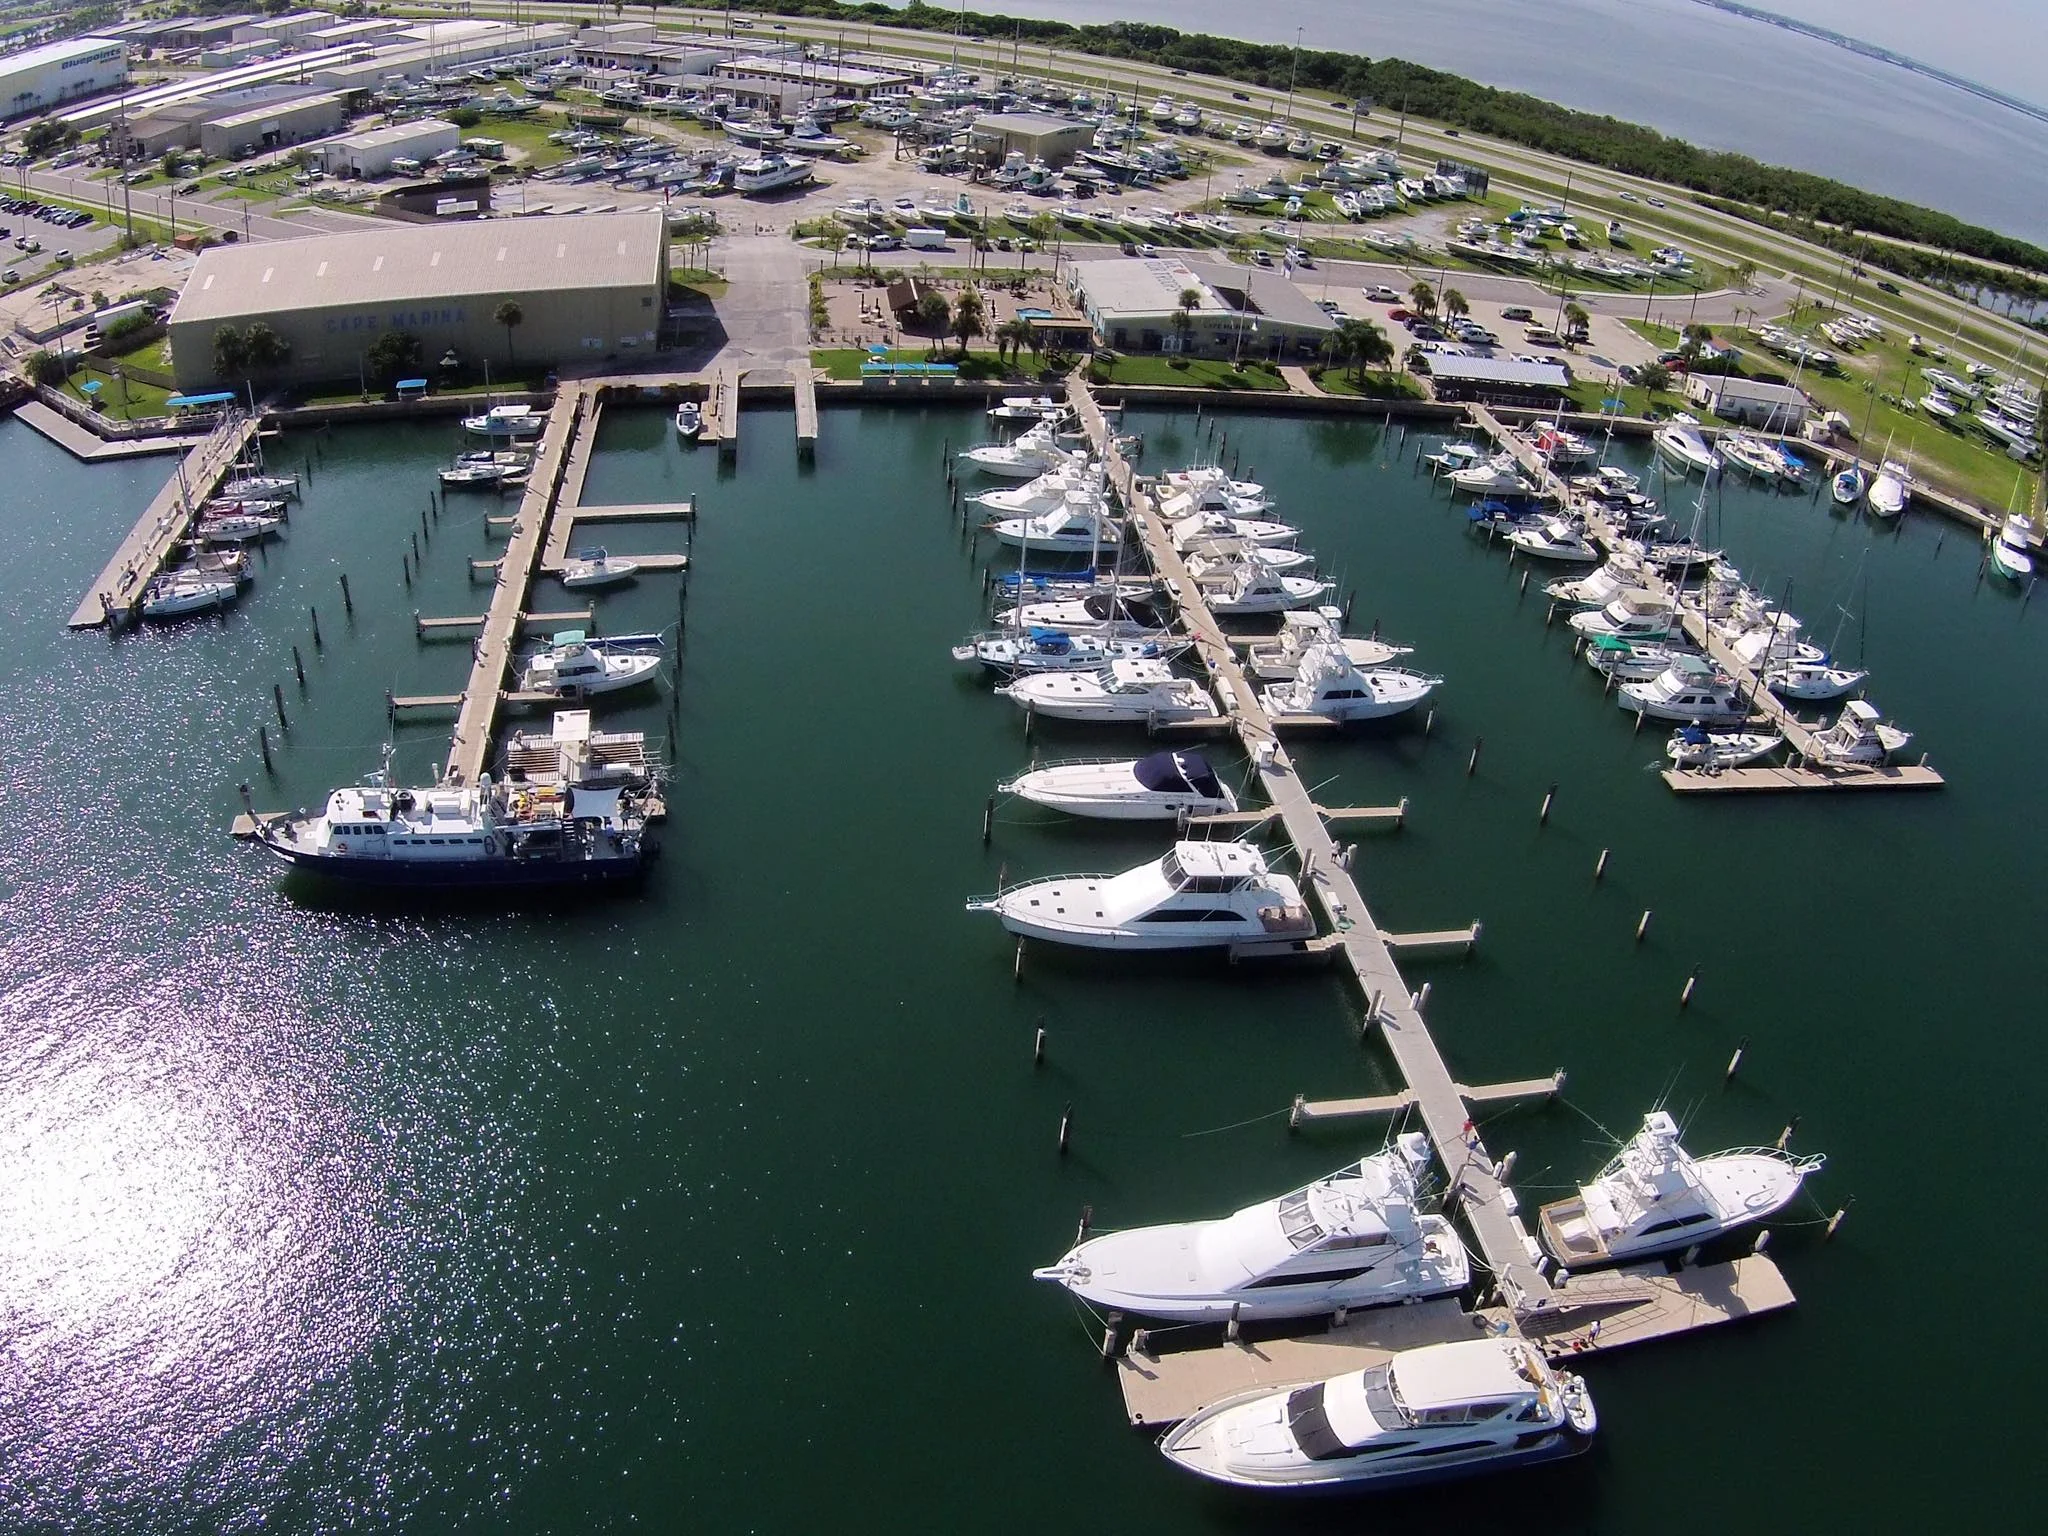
418 262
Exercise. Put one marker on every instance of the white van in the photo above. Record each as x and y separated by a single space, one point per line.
1541 336
925 239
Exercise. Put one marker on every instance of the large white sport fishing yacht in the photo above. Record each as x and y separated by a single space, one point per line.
1200 895
1354 1239
1161 787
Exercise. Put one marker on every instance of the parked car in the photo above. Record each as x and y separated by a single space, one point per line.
1383 293
1628 197
1654 202
1300 257
10 276
1402 315
1261 259
1517 312
1887 285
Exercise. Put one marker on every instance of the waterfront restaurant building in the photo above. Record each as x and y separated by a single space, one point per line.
1135 306
591 287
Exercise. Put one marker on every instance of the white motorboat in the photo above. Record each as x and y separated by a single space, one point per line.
1939 406
596 568
1623 571
1157 788
1681 446
1272 557
1564 449
1497 476
1213 480
1848 486
1609 482
1054 650
1031 455
1198 896
1452 457
770 173
690 420
1891 490
1199 527
1044 493
1326 684
1693 746
1752 455
572 666
1247 587
481 471
1025 408
1357 1238
1632 616
1654 1198
2010 556
1691 691
506 421
1811 680
222 506
1634 662
1302 629
1079 526
175 594
237 527
1859 738
1553 538
1427 1415
1771 639
1146 691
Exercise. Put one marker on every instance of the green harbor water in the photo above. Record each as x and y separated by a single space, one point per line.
713 1208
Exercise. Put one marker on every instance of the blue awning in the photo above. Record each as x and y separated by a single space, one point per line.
412 383
183 402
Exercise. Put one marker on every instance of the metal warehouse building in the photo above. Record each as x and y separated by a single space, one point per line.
44 77
591 287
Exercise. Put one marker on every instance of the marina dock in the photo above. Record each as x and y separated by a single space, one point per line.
1803 773
1389 1003
806 381
115 596
721 418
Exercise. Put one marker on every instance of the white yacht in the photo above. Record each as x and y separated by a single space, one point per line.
1891 490
1357 1238
572 666
690 420
1080 525
1848 487
2010 556
1609 482
1752 455
1200 895
770 173
1500 475
1623 571
1693 746
1680 445
1327 684
1273 557
1635 661
1157 788
1025 408
1146 691
1035 649
1247 587
1858 738
597 568
1044 493
1811 680
1451 457
1427 1415
1111 613
1553 538
486 470
1565 450
257 487
506 421
1199 527
237 527
176 594
1654 1197
1632 616
1302 629
1691 691
1213 480
1031 455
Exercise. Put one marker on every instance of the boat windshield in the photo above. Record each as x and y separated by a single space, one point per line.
1296 1223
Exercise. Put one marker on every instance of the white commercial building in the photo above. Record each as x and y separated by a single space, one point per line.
1137 306
372 153
40 78
1775 407
284 29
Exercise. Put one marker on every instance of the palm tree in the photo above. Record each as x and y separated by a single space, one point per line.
1742 274
1034 341
1454 304
1363 344
263 348
1189 301
1014 334
1575 316
1422 299
510 316
967 318
230 351
933 311
832 236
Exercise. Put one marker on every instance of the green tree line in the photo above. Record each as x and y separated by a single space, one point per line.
1394 85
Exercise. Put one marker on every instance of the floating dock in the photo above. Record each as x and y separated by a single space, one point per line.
116 596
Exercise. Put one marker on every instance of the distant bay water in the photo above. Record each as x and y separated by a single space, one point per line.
1711 78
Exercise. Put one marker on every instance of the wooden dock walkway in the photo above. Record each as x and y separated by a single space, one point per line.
1307 1111
116 595
469 753
1502 1237
722 412
82 443
569 515
1609 1309
547 619
1771 710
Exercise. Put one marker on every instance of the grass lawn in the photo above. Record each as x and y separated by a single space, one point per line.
527 135
125 400
1185 373
844 362
685 281
154 355
1374 386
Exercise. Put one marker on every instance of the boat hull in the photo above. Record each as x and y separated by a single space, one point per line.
1550 1445
507 874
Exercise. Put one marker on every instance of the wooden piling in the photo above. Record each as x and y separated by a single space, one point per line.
1735 1061
299 666
277 698
348 603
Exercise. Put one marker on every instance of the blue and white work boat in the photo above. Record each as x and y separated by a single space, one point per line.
480 837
